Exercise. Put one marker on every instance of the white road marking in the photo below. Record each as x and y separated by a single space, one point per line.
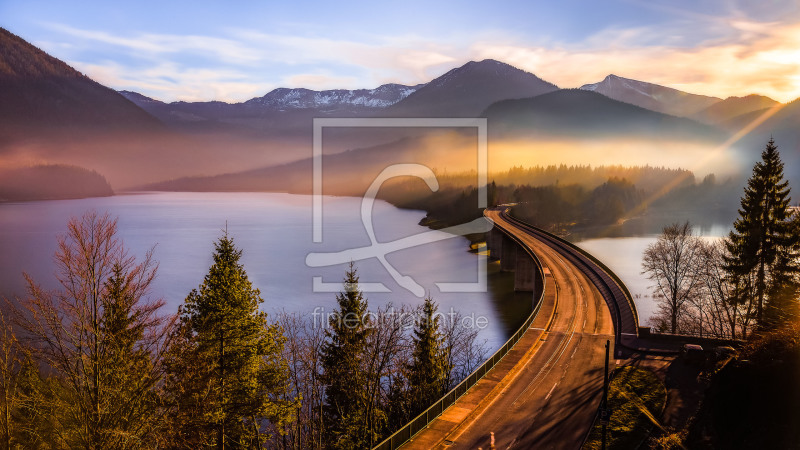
549 394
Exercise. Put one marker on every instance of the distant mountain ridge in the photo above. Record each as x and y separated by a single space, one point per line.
280 110
651 96
282 99
461 92
467 90
381 97
578 112
731 107
464 91
783 125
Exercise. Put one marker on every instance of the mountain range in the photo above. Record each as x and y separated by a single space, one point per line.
44 96
462 92
334 99
583 113
293 104
723 112
469 91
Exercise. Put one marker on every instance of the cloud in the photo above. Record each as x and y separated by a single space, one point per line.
170 67
704 54
318 81
152 45
163 81
406 58
764 59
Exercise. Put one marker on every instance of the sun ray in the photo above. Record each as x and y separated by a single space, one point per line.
716 152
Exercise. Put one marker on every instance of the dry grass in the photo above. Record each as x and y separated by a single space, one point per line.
636 398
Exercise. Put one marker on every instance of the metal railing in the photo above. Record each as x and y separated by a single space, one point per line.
574 248
405 433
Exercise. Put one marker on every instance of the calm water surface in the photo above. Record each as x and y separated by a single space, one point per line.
275 232
623 255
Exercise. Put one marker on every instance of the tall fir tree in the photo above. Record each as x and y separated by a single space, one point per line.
782 302
344 374
491 194
762 242
225 368
428 371
124 325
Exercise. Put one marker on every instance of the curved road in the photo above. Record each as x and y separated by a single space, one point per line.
549 398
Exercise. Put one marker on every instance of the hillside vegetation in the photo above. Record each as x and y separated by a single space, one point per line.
51 182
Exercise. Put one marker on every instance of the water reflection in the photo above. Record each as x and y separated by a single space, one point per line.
714 222
511 307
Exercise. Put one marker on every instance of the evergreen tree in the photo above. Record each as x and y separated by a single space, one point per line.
491 194
761 236
782 295
399 402
428 371
344 374
123 325
225 369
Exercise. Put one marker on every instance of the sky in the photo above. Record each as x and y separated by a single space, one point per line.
233 51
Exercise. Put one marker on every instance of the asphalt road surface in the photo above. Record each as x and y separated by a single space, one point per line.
549 397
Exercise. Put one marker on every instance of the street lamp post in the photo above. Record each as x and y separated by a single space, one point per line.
604 412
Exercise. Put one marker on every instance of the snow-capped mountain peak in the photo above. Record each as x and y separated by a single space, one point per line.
301 98
651 96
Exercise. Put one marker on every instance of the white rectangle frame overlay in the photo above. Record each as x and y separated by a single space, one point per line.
482 171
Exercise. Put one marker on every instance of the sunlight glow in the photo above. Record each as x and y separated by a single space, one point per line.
617 151
706 158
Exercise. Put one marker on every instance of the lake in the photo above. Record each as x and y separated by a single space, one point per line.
275 233
623 255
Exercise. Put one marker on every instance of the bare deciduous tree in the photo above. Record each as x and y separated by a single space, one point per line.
671 263
717 309
98 340
12 359
387 349
304 340
464 352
